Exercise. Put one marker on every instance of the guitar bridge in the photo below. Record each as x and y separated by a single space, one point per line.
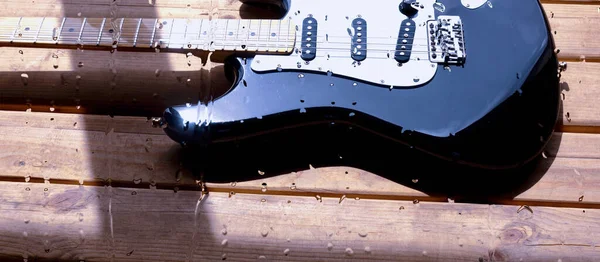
446 40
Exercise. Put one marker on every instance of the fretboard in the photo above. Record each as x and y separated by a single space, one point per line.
177 33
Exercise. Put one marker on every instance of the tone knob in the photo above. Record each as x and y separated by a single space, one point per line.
409 7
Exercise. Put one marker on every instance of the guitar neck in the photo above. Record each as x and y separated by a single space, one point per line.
249 35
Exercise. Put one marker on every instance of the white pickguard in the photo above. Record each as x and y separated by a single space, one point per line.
333 49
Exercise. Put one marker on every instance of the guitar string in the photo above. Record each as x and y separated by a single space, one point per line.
256 42
134 28
221 37
193 42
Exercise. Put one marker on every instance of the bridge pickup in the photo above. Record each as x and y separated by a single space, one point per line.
358 48
406 38
446 40
309 39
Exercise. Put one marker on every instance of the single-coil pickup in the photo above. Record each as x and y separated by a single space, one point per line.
309 39
358 48
406 38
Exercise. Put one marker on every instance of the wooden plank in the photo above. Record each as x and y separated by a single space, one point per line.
103 224
131 152
574 29
62 90
580 87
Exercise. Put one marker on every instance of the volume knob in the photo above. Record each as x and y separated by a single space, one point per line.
409 7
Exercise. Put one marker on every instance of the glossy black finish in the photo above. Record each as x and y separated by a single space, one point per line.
495 112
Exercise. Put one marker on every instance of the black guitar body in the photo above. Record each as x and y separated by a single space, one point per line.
496 111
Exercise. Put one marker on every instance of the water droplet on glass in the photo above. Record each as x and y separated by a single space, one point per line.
357 198
424 253
55 33
363 234
303 110
80 217
416 201
224 231
224 256
490 4
580 198
279 68
300 75
25 78
368 249
286 251
342 198
264 187
188 105
262 257
415 180
137 181
80 64
349 251
25 234
293 186
26 221
329 73
224 242
352 114
440 7
264 232
331 84
319 198
329 246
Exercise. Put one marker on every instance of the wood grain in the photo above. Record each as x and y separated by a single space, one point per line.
117 77
574 30
103 224
128 150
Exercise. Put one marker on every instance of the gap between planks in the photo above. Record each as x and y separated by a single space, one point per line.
60 152
100 224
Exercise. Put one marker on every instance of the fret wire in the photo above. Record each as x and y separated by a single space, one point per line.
267 37
37 35
187 24
16 28
62 25
237 34
247 33
200 30
170 31
101 31
278 36
81 31
120 28
137 31
153 32
258 34
287 36
225 35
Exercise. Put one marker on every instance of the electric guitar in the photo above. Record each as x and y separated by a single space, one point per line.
473 81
